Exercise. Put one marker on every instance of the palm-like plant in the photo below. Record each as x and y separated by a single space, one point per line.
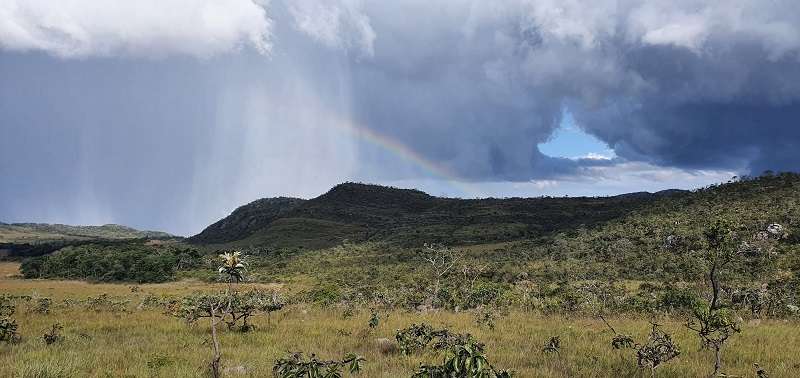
233 266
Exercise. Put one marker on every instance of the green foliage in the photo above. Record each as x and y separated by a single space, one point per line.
40 305
714 327
621 341
296 365
53 335
324 295
8 325
42 232
8 329
418 337
107 303
464 360
233 266
131 262
231 307
374 319
553 345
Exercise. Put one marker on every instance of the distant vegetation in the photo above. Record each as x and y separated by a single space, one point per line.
41 232
112 262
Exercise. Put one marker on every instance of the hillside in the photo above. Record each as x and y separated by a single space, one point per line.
246 220
43 232
360 212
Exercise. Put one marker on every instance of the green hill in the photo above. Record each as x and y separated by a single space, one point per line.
360 212
246 220
43 232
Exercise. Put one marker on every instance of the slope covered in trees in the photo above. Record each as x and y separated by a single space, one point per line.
359 213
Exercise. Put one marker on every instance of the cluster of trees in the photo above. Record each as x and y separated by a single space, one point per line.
132 262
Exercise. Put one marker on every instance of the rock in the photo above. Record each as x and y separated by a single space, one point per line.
775 229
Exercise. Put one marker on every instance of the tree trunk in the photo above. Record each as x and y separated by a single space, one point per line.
215 343
717 360
714 286
435 293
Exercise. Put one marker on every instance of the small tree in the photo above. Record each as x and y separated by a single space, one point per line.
712 323
442 260
658 349
233 267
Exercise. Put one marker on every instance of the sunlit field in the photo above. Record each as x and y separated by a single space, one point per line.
140 342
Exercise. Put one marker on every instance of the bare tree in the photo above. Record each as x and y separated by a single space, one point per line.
442 260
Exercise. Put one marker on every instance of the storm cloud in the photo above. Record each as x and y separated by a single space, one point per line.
168 114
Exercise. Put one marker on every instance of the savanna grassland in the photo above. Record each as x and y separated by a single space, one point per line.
143 342
671 284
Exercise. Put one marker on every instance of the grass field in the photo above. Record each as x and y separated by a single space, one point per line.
146 343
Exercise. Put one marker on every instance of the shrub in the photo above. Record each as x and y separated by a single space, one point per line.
465 360
8 329
8 325
53 335
237 306
296 365
417 337
553 345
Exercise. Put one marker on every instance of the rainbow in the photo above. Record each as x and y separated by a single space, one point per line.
406 154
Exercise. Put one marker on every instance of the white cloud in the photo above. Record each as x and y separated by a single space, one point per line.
335 24
608 155
81 28
607 180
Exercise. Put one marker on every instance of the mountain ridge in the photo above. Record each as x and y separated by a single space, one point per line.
368 212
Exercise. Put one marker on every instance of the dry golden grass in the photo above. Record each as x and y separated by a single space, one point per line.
146 343
8 270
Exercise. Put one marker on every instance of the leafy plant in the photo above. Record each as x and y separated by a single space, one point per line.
658 349
374 319
53 335
714 327
105 302
553 345
296 365
8 329
40 305
417 337
8 325
233 266
722 245
466 360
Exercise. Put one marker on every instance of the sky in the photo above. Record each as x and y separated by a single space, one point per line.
169 114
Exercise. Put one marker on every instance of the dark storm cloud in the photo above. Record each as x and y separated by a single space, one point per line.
690 84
